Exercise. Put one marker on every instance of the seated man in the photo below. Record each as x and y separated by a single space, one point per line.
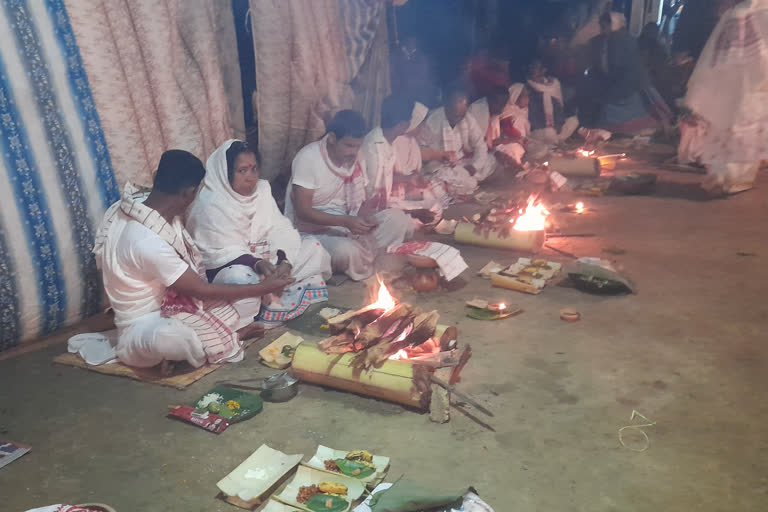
460 142
503 139
165 310
326 198
386 186
550 124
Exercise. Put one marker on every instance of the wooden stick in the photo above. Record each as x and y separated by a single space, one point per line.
462 395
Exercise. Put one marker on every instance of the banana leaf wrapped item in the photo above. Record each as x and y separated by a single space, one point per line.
372 470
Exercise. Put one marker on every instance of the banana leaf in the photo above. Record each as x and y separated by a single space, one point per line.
354 469
318 503
407 496
486 314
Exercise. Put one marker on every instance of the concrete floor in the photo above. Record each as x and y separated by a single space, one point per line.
688 352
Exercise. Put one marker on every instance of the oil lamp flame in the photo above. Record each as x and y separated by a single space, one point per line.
579 207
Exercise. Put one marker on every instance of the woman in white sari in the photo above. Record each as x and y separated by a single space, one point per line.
243 237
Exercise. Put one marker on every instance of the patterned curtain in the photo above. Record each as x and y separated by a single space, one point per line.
56 175
156 77
314 57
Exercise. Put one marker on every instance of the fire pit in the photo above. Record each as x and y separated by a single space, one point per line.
520 229
386 349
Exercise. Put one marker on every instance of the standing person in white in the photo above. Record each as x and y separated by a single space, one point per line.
243 238
165 310
326 198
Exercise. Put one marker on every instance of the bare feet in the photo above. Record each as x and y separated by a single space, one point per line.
167 368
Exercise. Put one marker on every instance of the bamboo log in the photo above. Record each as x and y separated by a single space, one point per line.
394 381
575 166
529 241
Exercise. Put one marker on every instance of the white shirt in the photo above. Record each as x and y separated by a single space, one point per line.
311 171
138 266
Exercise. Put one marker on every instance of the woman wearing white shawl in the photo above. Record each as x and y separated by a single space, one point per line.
242 237
728 94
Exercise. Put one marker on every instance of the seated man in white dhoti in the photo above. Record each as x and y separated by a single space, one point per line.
387 186
503 140
453 130
326 198
728 96
243 238
165 309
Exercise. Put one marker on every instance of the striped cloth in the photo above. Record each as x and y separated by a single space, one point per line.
56 177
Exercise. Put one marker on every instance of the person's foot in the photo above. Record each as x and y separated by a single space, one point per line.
167 368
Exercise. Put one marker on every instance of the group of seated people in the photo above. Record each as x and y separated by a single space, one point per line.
198 263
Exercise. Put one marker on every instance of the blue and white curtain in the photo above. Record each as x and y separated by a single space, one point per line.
56 177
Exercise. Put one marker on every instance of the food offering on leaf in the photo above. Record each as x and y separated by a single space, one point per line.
324 497
231 404
357 464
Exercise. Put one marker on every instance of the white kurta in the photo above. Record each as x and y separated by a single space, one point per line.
138 267
492 124
340 191
467 141
382 163
226 225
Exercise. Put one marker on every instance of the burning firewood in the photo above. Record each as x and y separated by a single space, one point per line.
376 330
424 326
421 329
339 344
351 319
379 351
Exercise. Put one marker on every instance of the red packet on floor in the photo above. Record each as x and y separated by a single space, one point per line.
207 420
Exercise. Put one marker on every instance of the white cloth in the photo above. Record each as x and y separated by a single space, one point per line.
138 267
225 225
152 338
356 255
382 162
728 90
467 141
336 190
550 91
492 124
96 348
512 110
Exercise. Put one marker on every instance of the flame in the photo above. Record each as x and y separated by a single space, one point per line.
497 307
532 218
384 300
400 354
579 207
585 153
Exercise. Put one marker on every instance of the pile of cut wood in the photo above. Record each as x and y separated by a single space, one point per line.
377 334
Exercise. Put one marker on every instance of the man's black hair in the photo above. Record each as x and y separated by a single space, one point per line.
395 110
177 171
453 92
347 123
236 149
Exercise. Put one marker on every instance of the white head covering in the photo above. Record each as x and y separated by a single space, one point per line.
226 225
418 115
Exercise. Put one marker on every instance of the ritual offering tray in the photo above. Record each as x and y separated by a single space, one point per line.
251 483
313 490
526 275
360 464
232 404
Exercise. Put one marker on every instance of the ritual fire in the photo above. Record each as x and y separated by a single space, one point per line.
383 330
532 218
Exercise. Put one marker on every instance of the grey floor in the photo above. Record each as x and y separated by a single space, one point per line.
687 351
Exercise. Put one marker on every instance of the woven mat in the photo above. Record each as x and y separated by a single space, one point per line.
184 374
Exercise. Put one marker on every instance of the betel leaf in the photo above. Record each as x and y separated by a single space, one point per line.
354 469
320 502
